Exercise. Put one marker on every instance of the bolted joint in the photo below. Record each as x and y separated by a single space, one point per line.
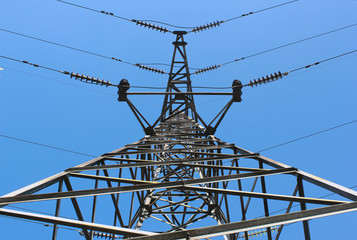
123 87
237 90
149 131
209 130
212 207
148 208
179 96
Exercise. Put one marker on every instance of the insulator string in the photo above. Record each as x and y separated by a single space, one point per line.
207 26
266 79
77 76
150 26
285 45
167 24
279 75
148 23
202 70
90 80
151 69
218 23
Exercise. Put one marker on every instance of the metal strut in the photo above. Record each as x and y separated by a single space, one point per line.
179 78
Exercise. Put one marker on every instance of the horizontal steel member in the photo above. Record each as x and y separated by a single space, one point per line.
265 195
74 223
336 188
111 179
180 93
175 150
148 163
248 225
141 187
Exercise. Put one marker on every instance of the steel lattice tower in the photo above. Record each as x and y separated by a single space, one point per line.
179 181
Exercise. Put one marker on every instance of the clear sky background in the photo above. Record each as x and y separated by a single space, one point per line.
50 108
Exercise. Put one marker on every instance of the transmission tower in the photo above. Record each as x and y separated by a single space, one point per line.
180 181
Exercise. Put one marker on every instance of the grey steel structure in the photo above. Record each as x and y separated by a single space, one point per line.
179 181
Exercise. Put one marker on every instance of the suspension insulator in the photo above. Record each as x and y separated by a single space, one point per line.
90 80
150 26
267 79
150 69
207 69
207 26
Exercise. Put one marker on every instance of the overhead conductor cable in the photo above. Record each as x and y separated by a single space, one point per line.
141 23
77 76
218 23
271 49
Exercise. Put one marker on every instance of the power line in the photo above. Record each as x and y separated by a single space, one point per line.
142 23
65 46
202 70
45 145
322 61
266 149
76 76
147 22
292 43
218 23
258 11
94 10
307 136
255 82
122 18
56 80
85 51
31 64
279 75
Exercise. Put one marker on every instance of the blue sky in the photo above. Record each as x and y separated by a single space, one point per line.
50 108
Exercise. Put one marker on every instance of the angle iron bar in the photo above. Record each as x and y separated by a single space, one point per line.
303 207
111 179
76 206
180 93
181 204
225 107
229 228
37 186
175 150
287 211
180 212
333 187
141 187
168 141
74 223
